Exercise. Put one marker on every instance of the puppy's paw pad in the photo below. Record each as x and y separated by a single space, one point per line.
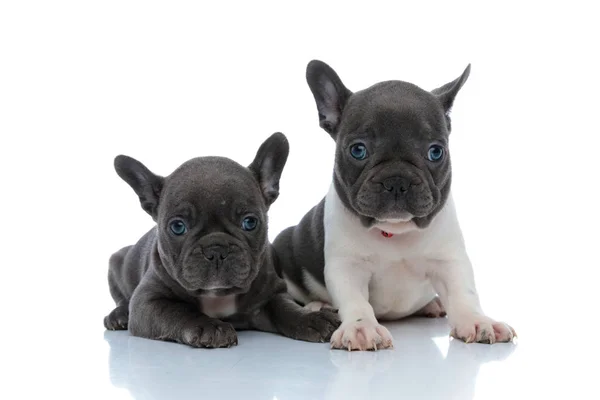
482 330
361 335
317 326
212 334
434 309
118 319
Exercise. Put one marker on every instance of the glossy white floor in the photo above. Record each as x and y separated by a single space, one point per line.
425 364
73 357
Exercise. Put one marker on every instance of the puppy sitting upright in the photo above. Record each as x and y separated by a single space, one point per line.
385 240
207 267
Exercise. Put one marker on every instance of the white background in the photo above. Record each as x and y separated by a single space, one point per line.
81 82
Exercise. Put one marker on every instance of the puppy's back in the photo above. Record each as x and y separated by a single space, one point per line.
128 265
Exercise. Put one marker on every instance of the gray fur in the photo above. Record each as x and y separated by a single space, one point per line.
397 122
158 283
300 248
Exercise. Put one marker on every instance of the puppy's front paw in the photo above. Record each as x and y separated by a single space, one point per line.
210 334
361 335
317 326
117 319
481 329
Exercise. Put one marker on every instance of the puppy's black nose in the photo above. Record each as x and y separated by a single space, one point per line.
215 252
396 183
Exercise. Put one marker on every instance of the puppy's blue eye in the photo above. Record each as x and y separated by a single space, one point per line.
249 223
435 153
178 227
358 151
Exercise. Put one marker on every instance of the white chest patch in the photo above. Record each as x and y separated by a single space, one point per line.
218 306
396 263
399 290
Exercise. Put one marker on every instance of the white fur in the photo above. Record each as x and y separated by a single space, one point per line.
295 291
218 306
315 288
372 277
316 306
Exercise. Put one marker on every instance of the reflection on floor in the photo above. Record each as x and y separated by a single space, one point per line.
425 363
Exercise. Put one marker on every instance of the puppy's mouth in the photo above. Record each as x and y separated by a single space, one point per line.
394 202
202 276
390 210
205 278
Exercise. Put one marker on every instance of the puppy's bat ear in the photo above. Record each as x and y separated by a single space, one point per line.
447 93
268 165
330 95
143 182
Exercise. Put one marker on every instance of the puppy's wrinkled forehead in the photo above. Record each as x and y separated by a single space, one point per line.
394 105
212 183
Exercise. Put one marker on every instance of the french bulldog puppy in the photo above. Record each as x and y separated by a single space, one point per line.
207 267
385 242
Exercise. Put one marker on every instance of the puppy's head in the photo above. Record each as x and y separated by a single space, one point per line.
211 216
392 161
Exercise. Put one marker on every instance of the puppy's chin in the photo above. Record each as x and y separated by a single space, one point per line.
397 227
221 291
397 223
219 288
394 218
388 215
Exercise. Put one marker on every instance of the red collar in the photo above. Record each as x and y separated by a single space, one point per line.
386 234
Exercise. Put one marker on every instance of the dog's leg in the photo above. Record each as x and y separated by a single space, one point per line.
455 284
433 309
166 319
296 322
348 284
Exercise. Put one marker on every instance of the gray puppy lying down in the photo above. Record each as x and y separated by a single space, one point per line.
207 267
